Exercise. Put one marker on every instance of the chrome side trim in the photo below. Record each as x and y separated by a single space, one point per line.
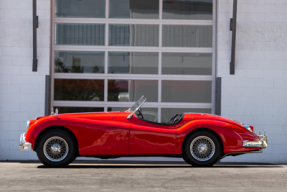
261 143
24 146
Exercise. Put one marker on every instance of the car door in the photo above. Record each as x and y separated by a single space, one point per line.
104 138
150 138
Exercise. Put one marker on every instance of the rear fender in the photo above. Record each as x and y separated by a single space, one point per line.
231 135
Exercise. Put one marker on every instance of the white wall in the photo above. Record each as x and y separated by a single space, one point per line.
257 93
21 90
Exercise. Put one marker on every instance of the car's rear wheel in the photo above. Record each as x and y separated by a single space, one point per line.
202 148
56 148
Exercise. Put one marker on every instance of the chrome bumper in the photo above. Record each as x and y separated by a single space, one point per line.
24 146
262 143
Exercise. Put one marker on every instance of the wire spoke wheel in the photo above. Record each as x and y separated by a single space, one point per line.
202 148
56 149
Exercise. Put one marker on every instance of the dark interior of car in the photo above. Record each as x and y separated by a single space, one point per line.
173 120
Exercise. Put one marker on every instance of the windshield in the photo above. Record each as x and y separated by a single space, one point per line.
136 106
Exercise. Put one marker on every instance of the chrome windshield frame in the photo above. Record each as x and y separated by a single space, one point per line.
141 104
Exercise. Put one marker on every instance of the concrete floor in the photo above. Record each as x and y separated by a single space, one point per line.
141 176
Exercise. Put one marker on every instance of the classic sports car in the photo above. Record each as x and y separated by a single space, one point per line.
200 139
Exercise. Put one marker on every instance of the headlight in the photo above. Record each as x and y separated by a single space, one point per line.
28 124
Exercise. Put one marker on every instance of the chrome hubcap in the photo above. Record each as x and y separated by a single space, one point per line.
56 149
202 148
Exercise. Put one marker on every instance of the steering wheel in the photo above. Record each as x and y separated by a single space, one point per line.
171 121
177 118
139 114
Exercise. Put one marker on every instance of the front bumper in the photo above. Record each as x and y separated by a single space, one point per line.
261 143
24 146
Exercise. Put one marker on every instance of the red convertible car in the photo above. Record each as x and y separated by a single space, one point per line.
200 139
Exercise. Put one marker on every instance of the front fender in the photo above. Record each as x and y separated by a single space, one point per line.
231 135
40 125
92 135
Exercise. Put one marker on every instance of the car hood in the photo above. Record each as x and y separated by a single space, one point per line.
195 116
90 116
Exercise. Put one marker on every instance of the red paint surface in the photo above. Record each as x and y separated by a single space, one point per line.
113 134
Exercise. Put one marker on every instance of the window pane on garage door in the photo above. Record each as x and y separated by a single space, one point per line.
133 63
186 36
187 63
187 91
187 9
132 90
79 62
80 34
80 9
134 9
79 90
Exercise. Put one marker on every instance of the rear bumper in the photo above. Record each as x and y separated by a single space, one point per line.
24 146
261 143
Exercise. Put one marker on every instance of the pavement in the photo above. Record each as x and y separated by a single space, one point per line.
122 176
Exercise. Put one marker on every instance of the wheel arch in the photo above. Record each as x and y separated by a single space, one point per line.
202 129
56 128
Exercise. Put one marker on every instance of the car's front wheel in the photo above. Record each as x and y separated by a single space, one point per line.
56 148
202 148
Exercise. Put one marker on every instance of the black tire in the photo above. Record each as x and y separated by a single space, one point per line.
64 143
211 149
